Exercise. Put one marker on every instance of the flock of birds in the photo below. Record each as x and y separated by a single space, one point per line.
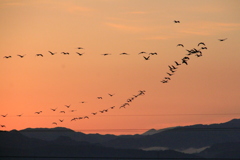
146 56
184 60
126 103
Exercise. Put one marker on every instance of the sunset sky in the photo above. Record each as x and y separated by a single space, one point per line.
204 91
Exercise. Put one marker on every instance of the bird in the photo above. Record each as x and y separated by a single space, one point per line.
124 53
176 21
164 81
51 53
184 61
21 56
201 43
86 117
54 123
222 39
204 48
106 110
180 45
106 54
80 48
185 58
80 54
7 57
65 53
110 94
53 109
68 106
169 74
146 58
39 55
73 119
82 102
112 107
99 97
4 115
3 125
174 67
199 55
94 113
19 115
177 63
101 111
167 78
73 110
142 52
62 111
38 112
153 53
61 120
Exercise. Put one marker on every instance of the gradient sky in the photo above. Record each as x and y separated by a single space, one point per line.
205 91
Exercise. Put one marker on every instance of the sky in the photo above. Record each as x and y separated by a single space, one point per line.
203 92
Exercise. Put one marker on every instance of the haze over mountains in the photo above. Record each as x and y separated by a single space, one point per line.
211 141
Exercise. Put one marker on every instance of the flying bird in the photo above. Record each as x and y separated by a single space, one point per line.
124 53
169 74
54 123
80 48
68 106
65 53
146 58
177 63
61 120
164 81
142 53
222 39
53 109
99 97
73 110
94 113
112 107
51 53
4 115
180 45
7 57
106 54
86 117
204 48
21 56
167 78
3 125
39 55
19 115
38 112
184 61
110 94
176 21
80 54
62 111
153 53
201 43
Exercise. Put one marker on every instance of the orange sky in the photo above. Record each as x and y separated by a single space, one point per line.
205 91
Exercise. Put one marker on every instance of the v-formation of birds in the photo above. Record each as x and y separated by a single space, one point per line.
146 56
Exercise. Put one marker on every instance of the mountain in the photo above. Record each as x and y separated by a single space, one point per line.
15 145
154 131
181 138
50 134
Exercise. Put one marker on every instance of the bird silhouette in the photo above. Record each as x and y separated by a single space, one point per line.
4 115
222 39
51 53
86 117
110 94
73 119
112 107
80 54
102 111
153 53
176 21
68 106
62 111
146 58
167 78
39 55
99 97
73 110
7 57
201 43
164 81
180 45
38 112
94 113
53 109
61 120
204 48
54 123
2 125
65 53
106 54
124 53
177 63
21 56
80 48
142 52
169 74
19 115
184 61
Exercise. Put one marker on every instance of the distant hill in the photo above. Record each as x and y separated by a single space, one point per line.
194 136
154 131
15 145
